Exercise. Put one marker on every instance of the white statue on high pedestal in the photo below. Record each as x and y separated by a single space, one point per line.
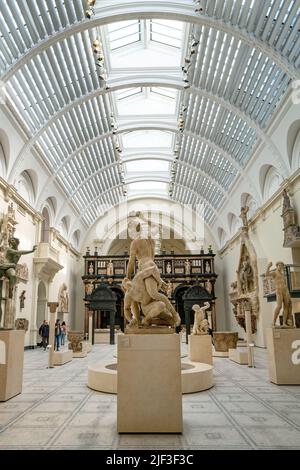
142 292
201 325
283 297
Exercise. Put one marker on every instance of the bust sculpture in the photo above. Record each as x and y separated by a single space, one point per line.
201 325
283 297
11 258
142 292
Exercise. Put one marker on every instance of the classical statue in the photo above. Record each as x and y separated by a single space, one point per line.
143 290
246 276
110 268
187 267
63 299
286 201
11 259
22 299
169 268
201 325
91 268
208 286
207 267
169 289
243 215
283 297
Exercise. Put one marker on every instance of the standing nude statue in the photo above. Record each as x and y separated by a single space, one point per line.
243 215
12 256
282 294
144 289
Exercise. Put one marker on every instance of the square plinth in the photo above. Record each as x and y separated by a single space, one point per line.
149 384
284 355
11 363
239 355
200 348
62 357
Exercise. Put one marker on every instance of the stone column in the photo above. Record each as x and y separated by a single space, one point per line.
91 313
52 307
33 320
249 337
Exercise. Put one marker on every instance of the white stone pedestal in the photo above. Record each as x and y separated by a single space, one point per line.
239 355
11 363
200 348
62 357
149 384
284 355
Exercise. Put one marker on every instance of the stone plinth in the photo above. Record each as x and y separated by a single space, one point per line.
149 384
11 363
76 343
62 357
225 340
239 355
284 355
149 330
200 348
84 351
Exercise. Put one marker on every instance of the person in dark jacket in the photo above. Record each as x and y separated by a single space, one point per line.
57 335
44 333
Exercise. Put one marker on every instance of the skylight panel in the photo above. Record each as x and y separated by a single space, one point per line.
147 165
147 187
166 32
167 92
144 139
124 33
146 103
122 94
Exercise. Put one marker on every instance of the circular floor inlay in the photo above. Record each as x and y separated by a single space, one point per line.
195 377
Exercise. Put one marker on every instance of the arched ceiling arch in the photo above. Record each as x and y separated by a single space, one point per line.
52 82
118 11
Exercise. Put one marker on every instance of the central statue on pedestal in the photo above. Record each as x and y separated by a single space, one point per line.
142 294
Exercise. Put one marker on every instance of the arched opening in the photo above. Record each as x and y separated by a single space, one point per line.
41 311
45 235
119 319
178 293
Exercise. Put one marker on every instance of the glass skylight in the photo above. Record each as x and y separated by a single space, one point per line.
153 43
147 102
124 33
166 32
144 139
147 165
146 187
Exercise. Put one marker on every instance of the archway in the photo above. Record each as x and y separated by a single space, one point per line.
178 293
41 311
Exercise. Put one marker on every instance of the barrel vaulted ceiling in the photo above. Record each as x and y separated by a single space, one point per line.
172 102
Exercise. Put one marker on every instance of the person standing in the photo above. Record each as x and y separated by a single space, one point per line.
44 333
63 333
57 334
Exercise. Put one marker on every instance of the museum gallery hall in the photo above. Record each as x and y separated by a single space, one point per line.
150 225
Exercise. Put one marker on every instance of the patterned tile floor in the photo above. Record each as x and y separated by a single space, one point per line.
57 411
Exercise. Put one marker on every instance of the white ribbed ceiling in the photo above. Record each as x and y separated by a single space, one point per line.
245 55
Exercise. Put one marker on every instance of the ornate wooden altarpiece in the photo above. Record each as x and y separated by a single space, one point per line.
180 272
